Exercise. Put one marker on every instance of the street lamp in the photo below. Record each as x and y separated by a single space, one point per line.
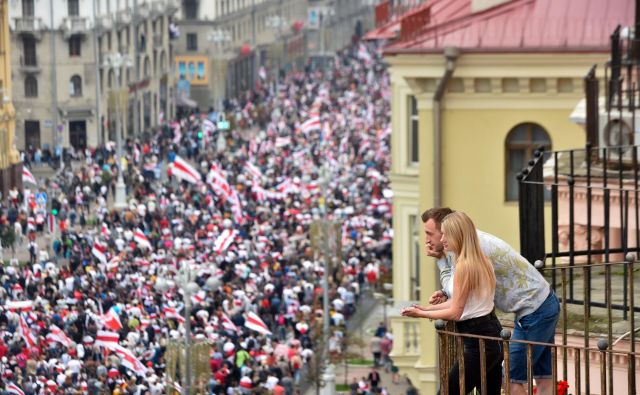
184 281
115 61
385 301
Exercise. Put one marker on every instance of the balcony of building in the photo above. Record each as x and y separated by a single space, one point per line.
104 23
142 12
579 216
29 64
74 25
123 18
29 25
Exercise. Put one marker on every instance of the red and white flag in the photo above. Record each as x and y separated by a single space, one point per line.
111 320
27 177
141 239
99 251
363 53
19 305
224 240
129 361
107 339
282 141
170 312
58 335
26 333
219 183
228 324
310 125
236 208
263 194
253 170
253 321
12 388
113 263
183 170
51 223
199 297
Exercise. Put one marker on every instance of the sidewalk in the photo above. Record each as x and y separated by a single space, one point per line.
363 326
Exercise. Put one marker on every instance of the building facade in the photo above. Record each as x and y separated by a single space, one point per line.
10 166
468 111
223 44
64 79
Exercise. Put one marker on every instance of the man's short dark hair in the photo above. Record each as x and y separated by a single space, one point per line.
437 214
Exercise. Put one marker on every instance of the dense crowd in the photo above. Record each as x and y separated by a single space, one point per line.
233 208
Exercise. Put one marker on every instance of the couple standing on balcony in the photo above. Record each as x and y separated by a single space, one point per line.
488 273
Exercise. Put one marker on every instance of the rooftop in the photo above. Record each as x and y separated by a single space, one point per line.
514 26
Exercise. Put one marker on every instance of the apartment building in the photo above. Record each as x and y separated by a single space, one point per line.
223 43
69 85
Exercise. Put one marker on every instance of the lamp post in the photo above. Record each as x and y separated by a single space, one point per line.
385 301
184 281
115 61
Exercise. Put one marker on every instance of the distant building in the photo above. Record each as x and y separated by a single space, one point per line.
477 86
222 44
64 86
10 166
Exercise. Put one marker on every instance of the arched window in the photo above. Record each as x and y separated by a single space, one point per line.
30 86
522 141
75 86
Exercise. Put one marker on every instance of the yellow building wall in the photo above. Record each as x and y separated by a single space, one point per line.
474 162
474 128
8 155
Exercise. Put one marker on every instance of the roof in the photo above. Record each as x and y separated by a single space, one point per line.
518 26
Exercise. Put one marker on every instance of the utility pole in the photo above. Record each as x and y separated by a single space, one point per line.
54 86
96 58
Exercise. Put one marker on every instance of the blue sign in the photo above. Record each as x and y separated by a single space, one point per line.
41 198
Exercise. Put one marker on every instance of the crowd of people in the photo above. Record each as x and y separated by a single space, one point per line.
217 234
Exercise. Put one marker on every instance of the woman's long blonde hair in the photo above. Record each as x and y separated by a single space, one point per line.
473 268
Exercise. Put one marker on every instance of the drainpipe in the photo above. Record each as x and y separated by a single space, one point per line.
451 55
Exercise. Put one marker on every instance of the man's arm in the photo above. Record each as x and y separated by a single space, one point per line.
444 265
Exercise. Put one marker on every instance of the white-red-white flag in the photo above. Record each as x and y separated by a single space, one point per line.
129 361
224 240
170 312
219 183
310 124
110 320
58 335
183 170
13 388
253 170
26 333
107 339
27 177
99 251
282 141
141 239
253 321
228 324
199 297
19 305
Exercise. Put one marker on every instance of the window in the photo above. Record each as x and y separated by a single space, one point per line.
191 9
415 257
27 8
414 146
75 45
29 51
73 7
192 42
30 86
522 141
75 86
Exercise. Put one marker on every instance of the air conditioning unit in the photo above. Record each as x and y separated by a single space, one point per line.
617 132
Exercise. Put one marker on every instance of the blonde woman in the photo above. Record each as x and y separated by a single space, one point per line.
474 286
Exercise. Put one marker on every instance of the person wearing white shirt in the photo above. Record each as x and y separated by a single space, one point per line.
471 306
